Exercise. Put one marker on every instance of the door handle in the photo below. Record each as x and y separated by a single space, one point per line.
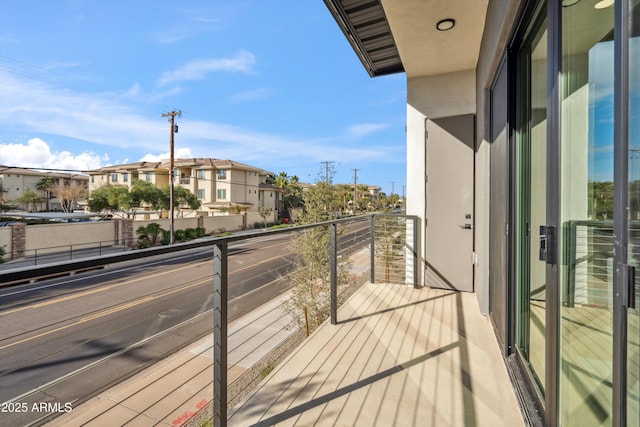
547 238
466 226
631 282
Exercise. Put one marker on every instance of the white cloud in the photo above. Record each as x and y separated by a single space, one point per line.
199 68
364 129
179 153
36 153
35 108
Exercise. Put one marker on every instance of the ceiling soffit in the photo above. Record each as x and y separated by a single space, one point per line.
391 36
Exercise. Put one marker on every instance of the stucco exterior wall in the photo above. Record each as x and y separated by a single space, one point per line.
431 97
5 241
501 15
51 237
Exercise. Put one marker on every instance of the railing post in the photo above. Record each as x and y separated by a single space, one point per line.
415 251
373 249
220 258
334 272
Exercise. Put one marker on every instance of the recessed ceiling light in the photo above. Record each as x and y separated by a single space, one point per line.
604 4
445 24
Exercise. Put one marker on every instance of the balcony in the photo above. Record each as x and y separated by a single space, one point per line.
390 354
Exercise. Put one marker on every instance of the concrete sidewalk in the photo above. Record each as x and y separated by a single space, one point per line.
171 391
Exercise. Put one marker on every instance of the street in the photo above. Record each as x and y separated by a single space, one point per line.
64 340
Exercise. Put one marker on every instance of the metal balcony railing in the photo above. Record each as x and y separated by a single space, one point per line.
391 241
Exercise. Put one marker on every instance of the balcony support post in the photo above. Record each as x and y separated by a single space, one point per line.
414 220
334 272
373 249
220 258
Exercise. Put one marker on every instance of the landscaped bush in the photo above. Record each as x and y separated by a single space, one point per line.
190 233
179 235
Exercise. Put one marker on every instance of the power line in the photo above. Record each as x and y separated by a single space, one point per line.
326 164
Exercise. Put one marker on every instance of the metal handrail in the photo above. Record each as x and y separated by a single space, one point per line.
220 299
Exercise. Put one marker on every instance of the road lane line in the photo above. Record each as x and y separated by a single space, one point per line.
104 359
103 313
100 289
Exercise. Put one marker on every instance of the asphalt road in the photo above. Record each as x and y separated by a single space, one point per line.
67 339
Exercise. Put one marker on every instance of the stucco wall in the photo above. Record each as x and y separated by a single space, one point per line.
431 97
501 16
54 236
5 240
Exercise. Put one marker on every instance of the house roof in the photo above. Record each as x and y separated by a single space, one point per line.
198 163
35 172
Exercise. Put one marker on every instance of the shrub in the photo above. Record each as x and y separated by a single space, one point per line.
179 235
190 233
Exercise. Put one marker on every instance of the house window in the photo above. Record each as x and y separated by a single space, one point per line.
92 179
114 177
222 174
222 194
125 177
202 174
200 193
148 176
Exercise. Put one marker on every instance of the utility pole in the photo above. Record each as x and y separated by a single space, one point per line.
326 164
174 129
355 189
393 183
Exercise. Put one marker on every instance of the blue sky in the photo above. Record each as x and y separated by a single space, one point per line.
275 84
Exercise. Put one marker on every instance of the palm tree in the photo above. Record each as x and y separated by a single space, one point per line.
44 186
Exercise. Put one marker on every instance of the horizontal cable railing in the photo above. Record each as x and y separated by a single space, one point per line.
374 247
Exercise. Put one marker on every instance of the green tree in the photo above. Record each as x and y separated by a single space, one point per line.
292 197
28 199
44 186
145 194
112 199
264 213
311 275
601 194
182 199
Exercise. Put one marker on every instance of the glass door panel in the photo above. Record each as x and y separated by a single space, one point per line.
532 199
586 214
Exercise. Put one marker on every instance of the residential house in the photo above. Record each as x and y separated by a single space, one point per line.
223 186
15 181
523 131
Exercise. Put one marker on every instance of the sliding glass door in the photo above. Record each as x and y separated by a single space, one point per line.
632 397
531 198
586 213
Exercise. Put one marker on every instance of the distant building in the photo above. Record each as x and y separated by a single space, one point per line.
223 186
15 181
